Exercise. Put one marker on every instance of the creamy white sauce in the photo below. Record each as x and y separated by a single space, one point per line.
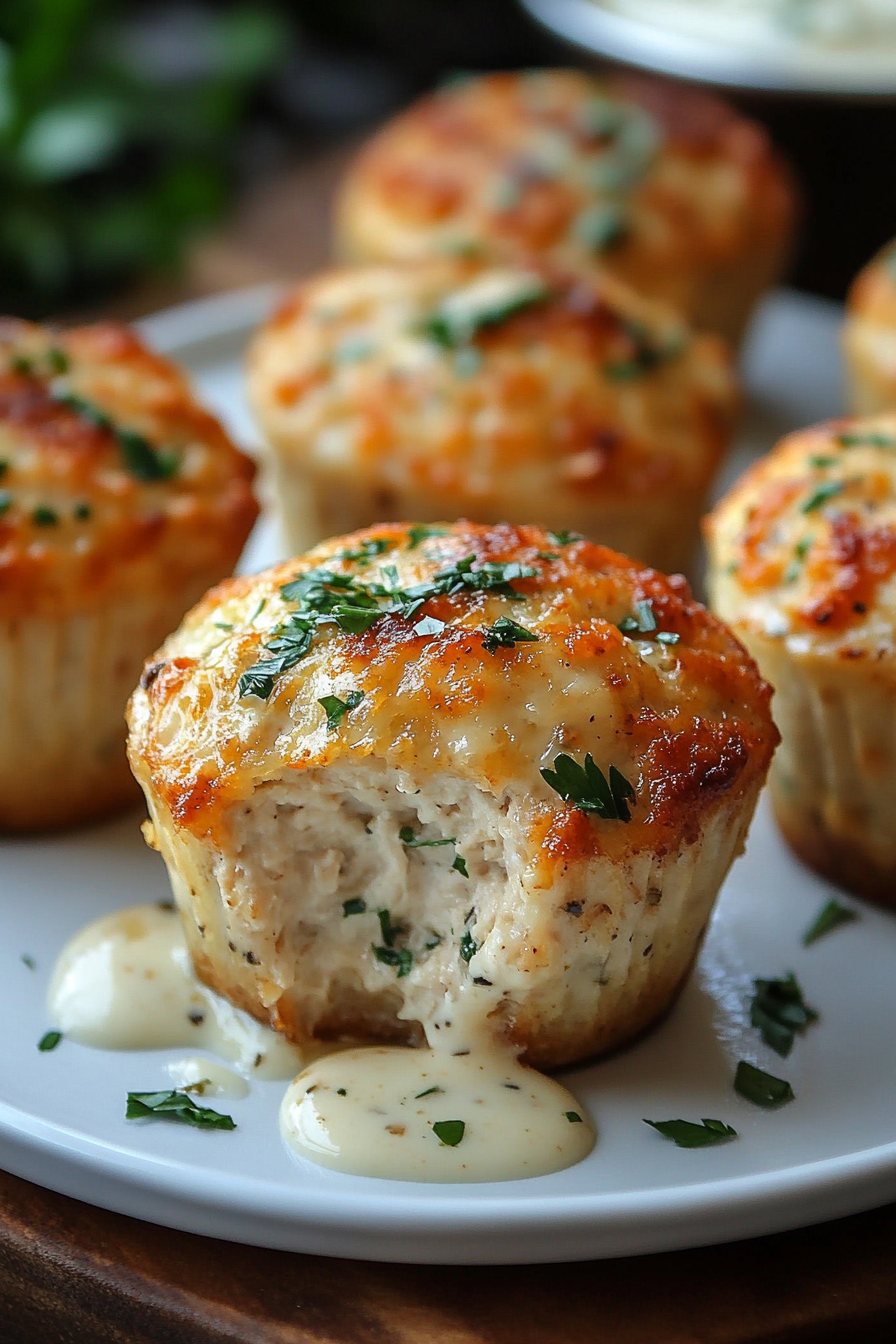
853 30
125 982
206 1078
374 1112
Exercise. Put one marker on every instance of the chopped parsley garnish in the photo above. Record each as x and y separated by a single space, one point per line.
57 360
368 549
565 538
29 961
44 516
779 1011
688 1134
505 634
176 1106
5 501
355 906
460 865
49 1041
866 440
418 532
82 512
762 1089
831 916
449 1132
646 355
430 1091
601 227
328 598
468 947
487 302
407 837
402 958
389 931
337 709
817 460
573 1117
4 467
429 625
143 461
642 619
547 555
820 495
588 789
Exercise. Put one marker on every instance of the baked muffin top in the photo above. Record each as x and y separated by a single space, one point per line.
804 545
492 653
498 382
643 177
113 479
872 295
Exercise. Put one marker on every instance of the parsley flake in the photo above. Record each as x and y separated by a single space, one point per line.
460 865
468 947
506 634
820 495
573 1117
642 620
588 789
81 512
5 502
486 302
429 625
779 1011
49 1041
44 516
142 460
831 916
418 532
430 1091
401 958
688 1134
761 1088
368 549
601 227
449 1132
176 1106
407 837
866 440
337 709
29 961
355 906
565 537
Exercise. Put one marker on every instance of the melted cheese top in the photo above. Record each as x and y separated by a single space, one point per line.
685 720
112 478
583 387
631 174
804 546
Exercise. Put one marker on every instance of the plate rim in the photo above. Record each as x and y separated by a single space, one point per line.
637 42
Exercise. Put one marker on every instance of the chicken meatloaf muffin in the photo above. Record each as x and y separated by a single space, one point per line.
869 336
669 189
803 568
445 390
121 500
451 770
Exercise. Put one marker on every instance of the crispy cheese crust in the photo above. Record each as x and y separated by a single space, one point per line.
869 336
669 189
276 823
586 406
121 501
803 567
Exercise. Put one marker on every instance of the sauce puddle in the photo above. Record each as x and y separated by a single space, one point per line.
466 1110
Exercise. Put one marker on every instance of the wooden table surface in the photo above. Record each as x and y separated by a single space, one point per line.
73 1274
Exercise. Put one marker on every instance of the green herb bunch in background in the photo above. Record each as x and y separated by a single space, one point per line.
116 127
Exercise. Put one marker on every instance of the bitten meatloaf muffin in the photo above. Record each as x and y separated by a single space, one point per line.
121 500
444 390
869 336
669 189
455 765
803 568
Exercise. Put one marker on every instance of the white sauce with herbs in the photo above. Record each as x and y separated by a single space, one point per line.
424 1115
464 1110
125 982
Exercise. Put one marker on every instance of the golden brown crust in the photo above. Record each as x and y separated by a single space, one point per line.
691 194
869 335
689 720
81 523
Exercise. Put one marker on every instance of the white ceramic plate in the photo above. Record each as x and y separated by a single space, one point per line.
780 67
831 1152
